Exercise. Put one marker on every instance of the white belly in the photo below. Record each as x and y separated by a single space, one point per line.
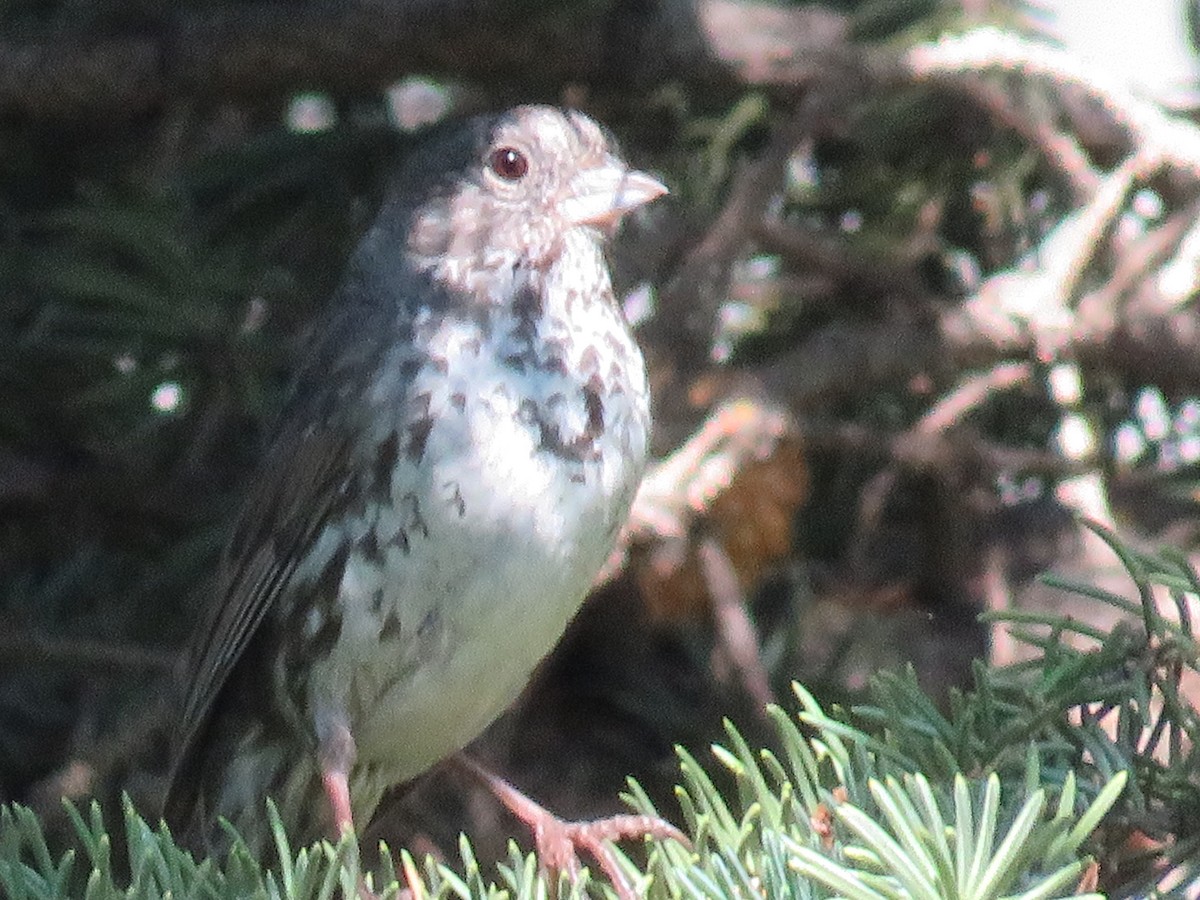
488 548
485 596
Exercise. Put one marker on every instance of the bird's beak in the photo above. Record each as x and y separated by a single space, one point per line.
602 195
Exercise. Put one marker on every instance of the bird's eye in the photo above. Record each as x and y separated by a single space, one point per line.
509 163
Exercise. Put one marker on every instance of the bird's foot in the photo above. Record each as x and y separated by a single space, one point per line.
558 841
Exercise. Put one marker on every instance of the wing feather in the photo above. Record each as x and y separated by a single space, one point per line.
304 482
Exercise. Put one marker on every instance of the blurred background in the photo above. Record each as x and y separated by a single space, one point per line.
924 292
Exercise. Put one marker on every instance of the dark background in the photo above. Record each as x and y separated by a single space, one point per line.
864 308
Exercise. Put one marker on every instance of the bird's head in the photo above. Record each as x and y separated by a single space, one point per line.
516 188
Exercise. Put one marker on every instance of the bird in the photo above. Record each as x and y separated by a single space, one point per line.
462 442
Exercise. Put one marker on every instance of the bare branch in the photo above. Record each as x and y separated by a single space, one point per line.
683 326
1155 134
735 632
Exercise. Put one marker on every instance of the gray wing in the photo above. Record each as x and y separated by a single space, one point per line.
302 484
306 477
307 469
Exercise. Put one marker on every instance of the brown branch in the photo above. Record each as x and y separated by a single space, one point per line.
923 451
682 329
736 635
766 44
1140 266
970 394
846 359
680 488
1154 133
864 276
1061 150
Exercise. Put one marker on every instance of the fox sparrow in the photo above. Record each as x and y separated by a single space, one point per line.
462 444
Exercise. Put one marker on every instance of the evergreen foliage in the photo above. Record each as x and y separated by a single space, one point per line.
1009 794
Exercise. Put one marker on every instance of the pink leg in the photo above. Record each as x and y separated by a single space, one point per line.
557 840
336 756
337 789
335 753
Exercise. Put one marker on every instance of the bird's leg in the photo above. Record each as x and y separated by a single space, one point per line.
336 755
337 789
558 840
336 752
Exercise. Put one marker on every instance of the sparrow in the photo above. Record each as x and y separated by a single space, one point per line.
460 447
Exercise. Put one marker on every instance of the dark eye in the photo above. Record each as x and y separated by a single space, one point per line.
509 163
